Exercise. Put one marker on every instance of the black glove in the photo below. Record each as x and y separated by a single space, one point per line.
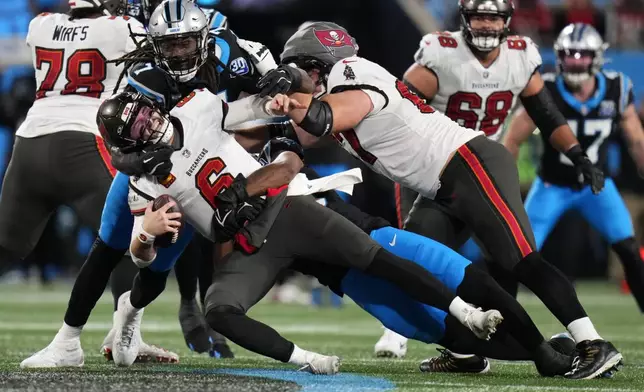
282 80
277 145
234 210
282 129
587 173
154 160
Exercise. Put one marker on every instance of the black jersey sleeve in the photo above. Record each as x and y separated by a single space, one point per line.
364 221
237 73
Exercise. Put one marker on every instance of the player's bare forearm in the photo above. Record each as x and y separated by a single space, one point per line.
563 139
252 139
345 111
142 251
634 135
274 175
520 129
422 81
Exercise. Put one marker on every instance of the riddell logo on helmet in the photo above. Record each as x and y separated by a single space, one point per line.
333 38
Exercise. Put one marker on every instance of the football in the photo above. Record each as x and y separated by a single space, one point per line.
168 239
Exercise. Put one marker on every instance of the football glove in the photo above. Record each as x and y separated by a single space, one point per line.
234 209
282 80
154 160
276 146
587 173
259 54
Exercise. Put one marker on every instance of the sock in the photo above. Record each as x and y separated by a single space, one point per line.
462 356
583 329
628 252
186 271
67 332
148 285
122 278
460 309
300 357
91 282
551 286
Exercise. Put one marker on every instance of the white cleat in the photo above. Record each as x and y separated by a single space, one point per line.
483 324
322 364
127 338
150 353
391 345
59 353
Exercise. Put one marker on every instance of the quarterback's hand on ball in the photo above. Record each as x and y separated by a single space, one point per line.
161 221
284 79
281 105
259 54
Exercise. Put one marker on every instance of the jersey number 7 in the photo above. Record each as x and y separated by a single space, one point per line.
86 71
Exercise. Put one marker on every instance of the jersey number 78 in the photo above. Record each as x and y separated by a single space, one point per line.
85 72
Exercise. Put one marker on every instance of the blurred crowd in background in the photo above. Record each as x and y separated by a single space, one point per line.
388 32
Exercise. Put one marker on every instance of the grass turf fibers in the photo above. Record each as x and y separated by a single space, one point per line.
31 315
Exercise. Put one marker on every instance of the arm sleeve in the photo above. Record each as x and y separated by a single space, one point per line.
355 73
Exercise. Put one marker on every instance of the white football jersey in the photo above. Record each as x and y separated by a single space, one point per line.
72 76
470 94
208 161
402 137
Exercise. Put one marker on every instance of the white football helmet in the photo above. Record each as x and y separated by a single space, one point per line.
580 53
178 32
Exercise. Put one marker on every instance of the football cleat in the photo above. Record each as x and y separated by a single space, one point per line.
391 345
127 338
595 358
147 352
220 349
322 364
196 331
449 362
483 324
563 343
59 353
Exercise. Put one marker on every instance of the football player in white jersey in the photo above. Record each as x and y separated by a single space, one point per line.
219 187
380 121
476 76
59 156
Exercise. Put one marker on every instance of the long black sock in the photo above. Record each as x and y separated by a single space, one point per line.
413 279
628 252
148 285
503 277
8 260
122 278
91 282
479 288
186 271
244 331
551 286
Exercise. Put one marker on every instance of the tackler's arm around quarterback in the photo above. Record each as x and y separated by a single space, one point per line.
332 113
634 134
256 108
147 228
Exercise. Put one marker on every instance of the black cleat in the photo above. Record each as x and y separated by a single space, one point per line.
220 349
595 358
448 363
563 343
196 331
550 362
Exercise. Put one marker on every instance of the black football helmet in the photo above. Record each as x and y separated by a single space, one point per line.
318 45
485 40
108 7
130 121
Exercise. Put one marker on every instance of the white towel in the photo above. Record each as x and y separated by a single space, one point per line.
343 181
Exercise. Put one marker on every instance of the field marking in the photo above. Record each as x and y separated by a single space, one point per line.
514 387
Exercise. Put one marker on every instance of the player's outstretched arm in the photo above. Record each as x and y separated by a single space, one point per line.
278 173
520 129
634 134
422 81
332 113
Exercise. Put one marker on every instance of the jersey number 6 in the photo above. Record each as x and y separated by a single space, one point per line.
86 71
209 182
